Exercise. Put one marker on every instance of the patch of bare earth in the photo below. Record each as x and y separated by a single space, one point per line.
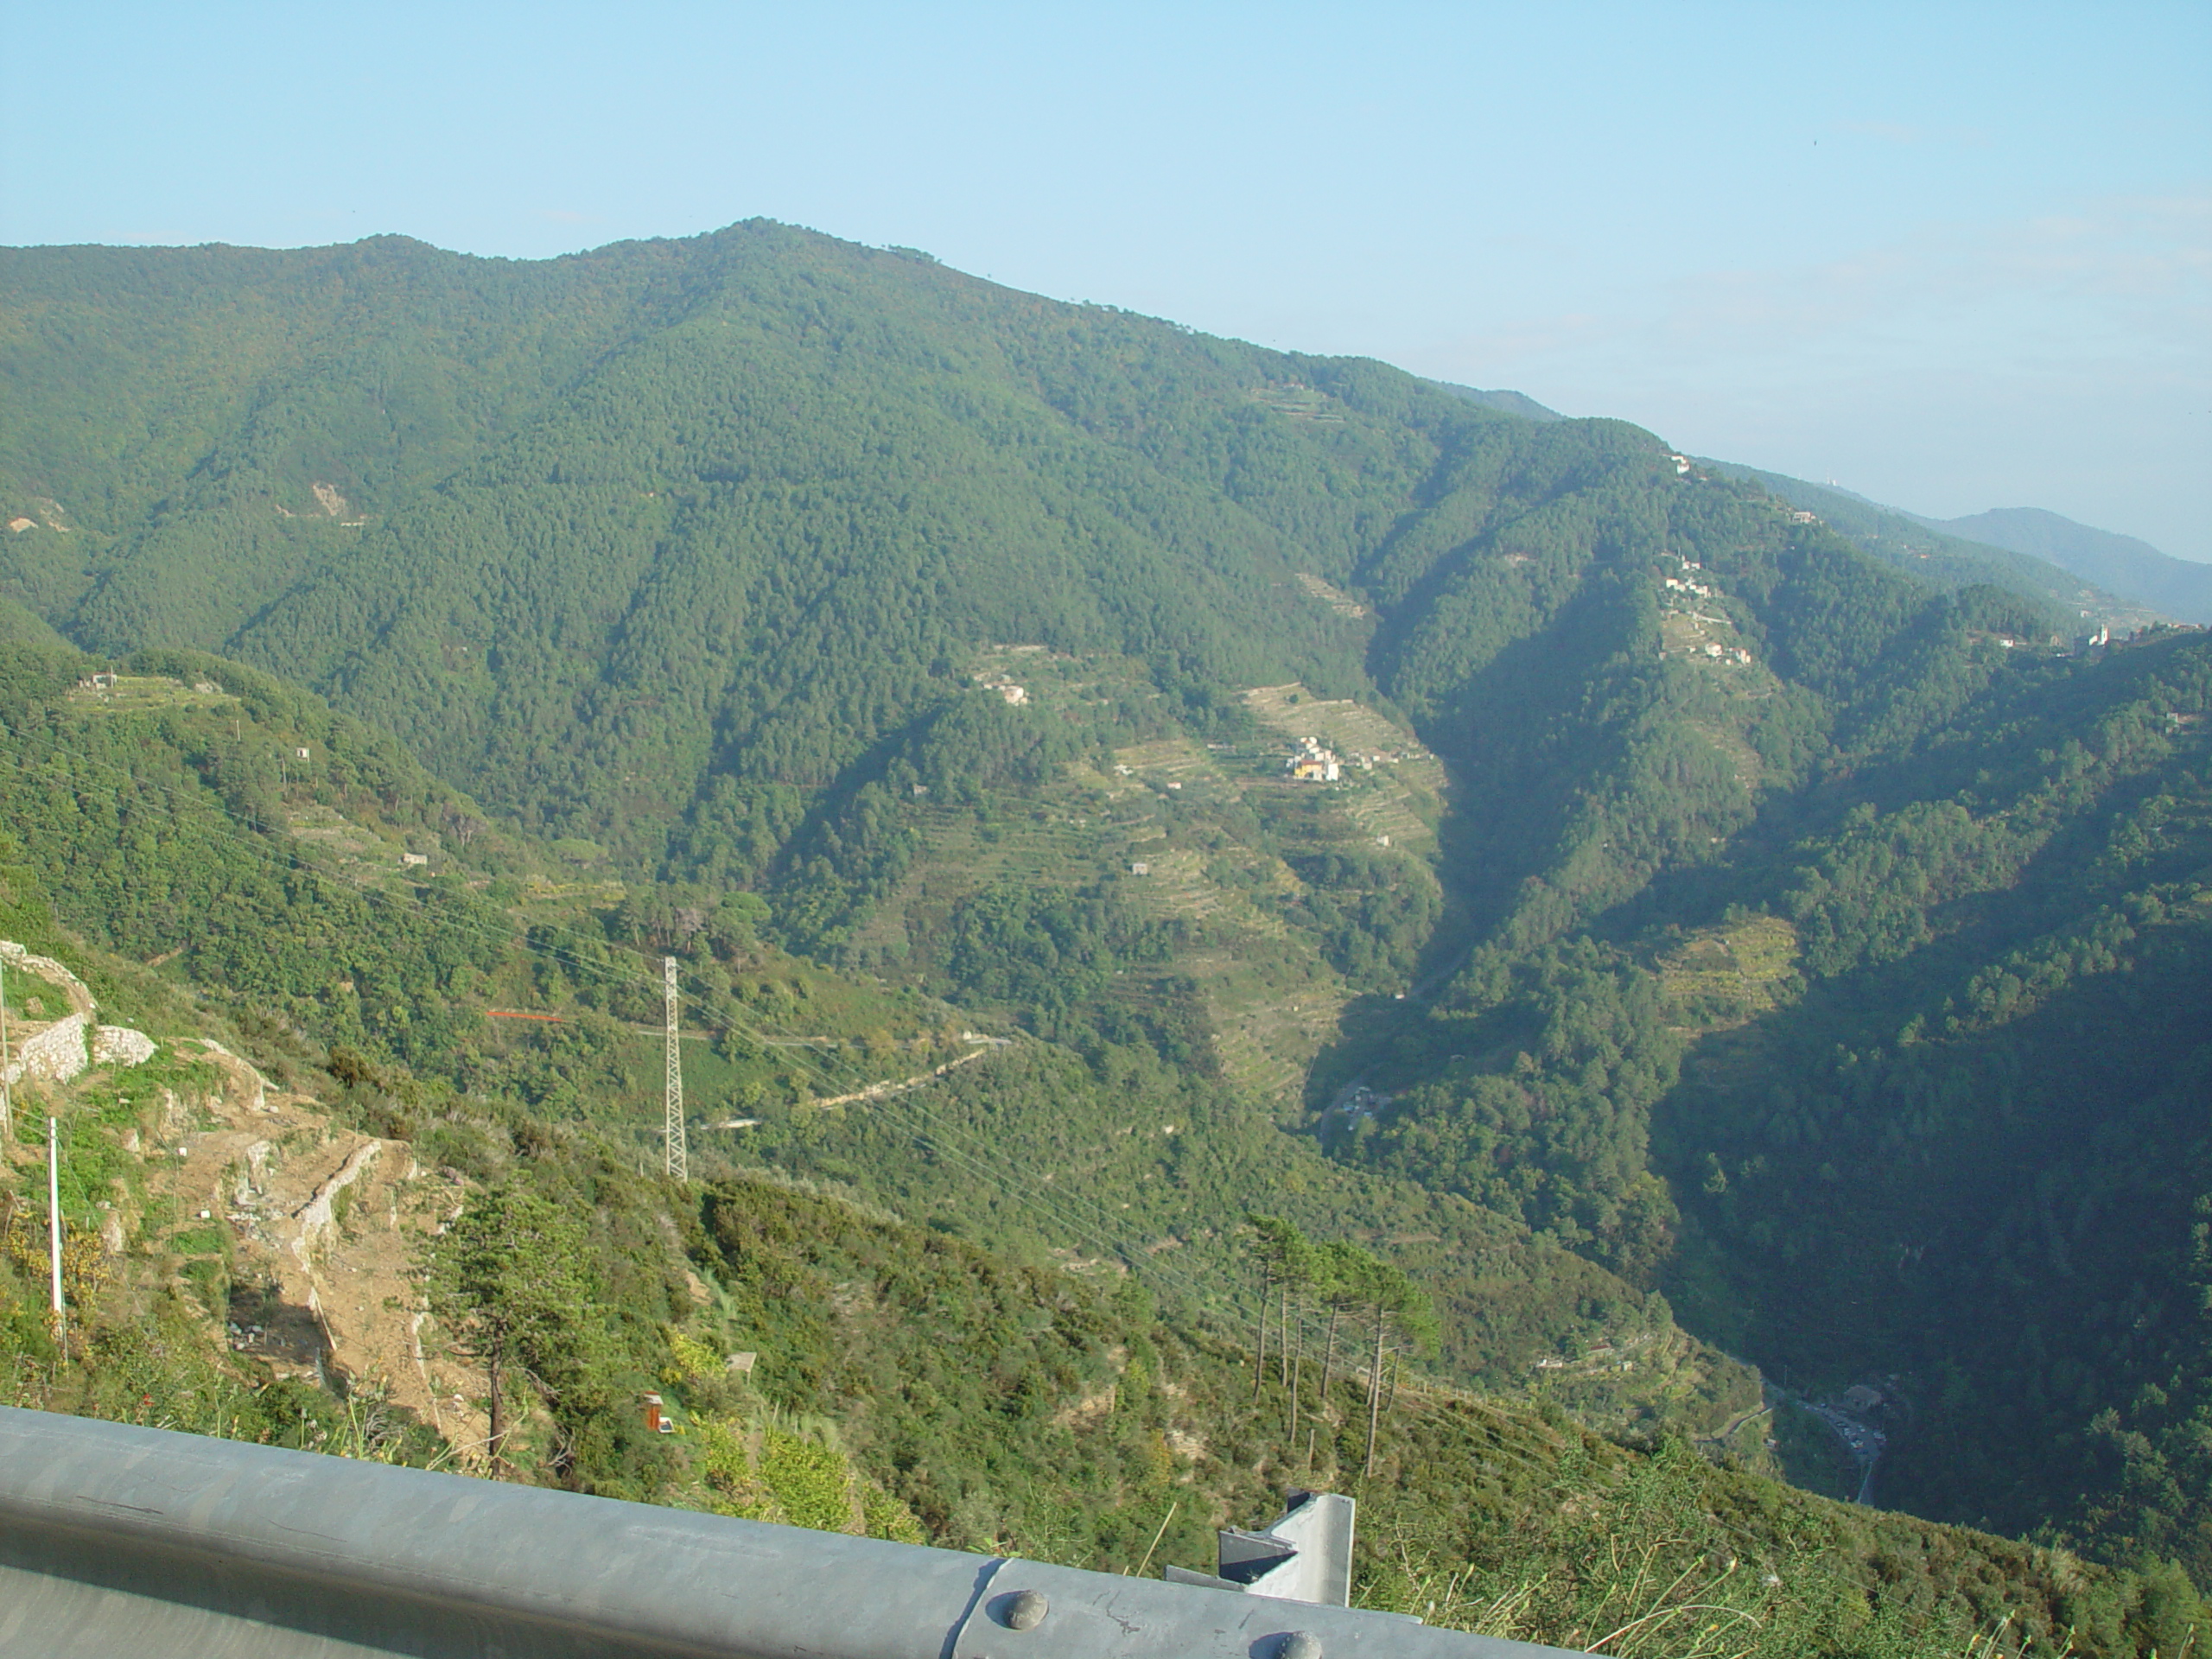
327 1224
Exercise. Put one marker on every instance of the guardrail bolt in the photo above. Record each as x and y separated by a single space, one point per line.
1299 1645
1025 1610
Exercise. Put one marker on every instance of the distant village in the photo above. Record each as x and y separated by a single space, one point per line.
1311 763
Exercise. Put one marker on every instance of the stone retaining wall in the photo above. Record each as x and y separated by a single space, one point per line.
54 1055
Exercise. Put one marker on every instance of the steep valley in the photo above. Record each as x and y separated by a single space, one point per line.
1104 789
820 1363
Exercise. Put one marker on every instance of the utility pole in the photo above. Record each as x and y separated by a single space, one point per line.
53 1213
7 1088
679 1162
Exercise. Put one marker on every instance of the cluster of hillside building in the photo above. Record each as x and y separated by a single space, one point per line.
1690 586
1312 763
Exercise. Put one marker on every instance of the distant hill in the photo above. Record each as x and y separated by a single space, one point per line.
1506 403
1946 555
2134 569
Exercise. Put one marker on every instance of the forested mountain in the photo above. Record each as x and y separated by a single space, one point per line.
2125 564
1923 1062
1767 905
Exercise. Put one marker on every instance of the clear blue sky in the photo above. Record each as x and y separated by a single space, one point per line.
1953 256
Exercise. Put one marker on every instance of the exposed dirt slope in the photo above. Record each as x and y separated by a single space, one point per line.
326 1224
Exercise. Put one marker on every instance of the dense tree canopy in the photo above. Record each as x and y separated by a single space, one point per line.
1821 947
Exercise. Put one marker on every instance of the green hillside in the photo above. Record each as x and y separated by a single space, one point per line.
173 821
1511 402
1922 1063
1734 926
892 1379
604 535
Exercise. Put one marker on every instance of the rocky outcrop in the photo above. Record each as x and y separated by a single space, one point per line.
120 1046
248 1088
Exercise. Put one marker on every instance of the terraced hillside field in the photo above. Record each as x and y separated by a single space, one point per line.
1270 900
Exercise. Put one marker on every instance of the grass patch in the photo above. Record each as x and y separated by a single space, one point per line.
1727 975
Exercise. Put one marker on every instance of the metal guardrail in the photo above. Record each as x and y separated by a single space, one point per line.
118 1543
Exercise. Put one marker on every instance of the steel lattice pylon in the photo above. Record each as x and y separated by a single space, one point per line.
679 1162
6 1094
